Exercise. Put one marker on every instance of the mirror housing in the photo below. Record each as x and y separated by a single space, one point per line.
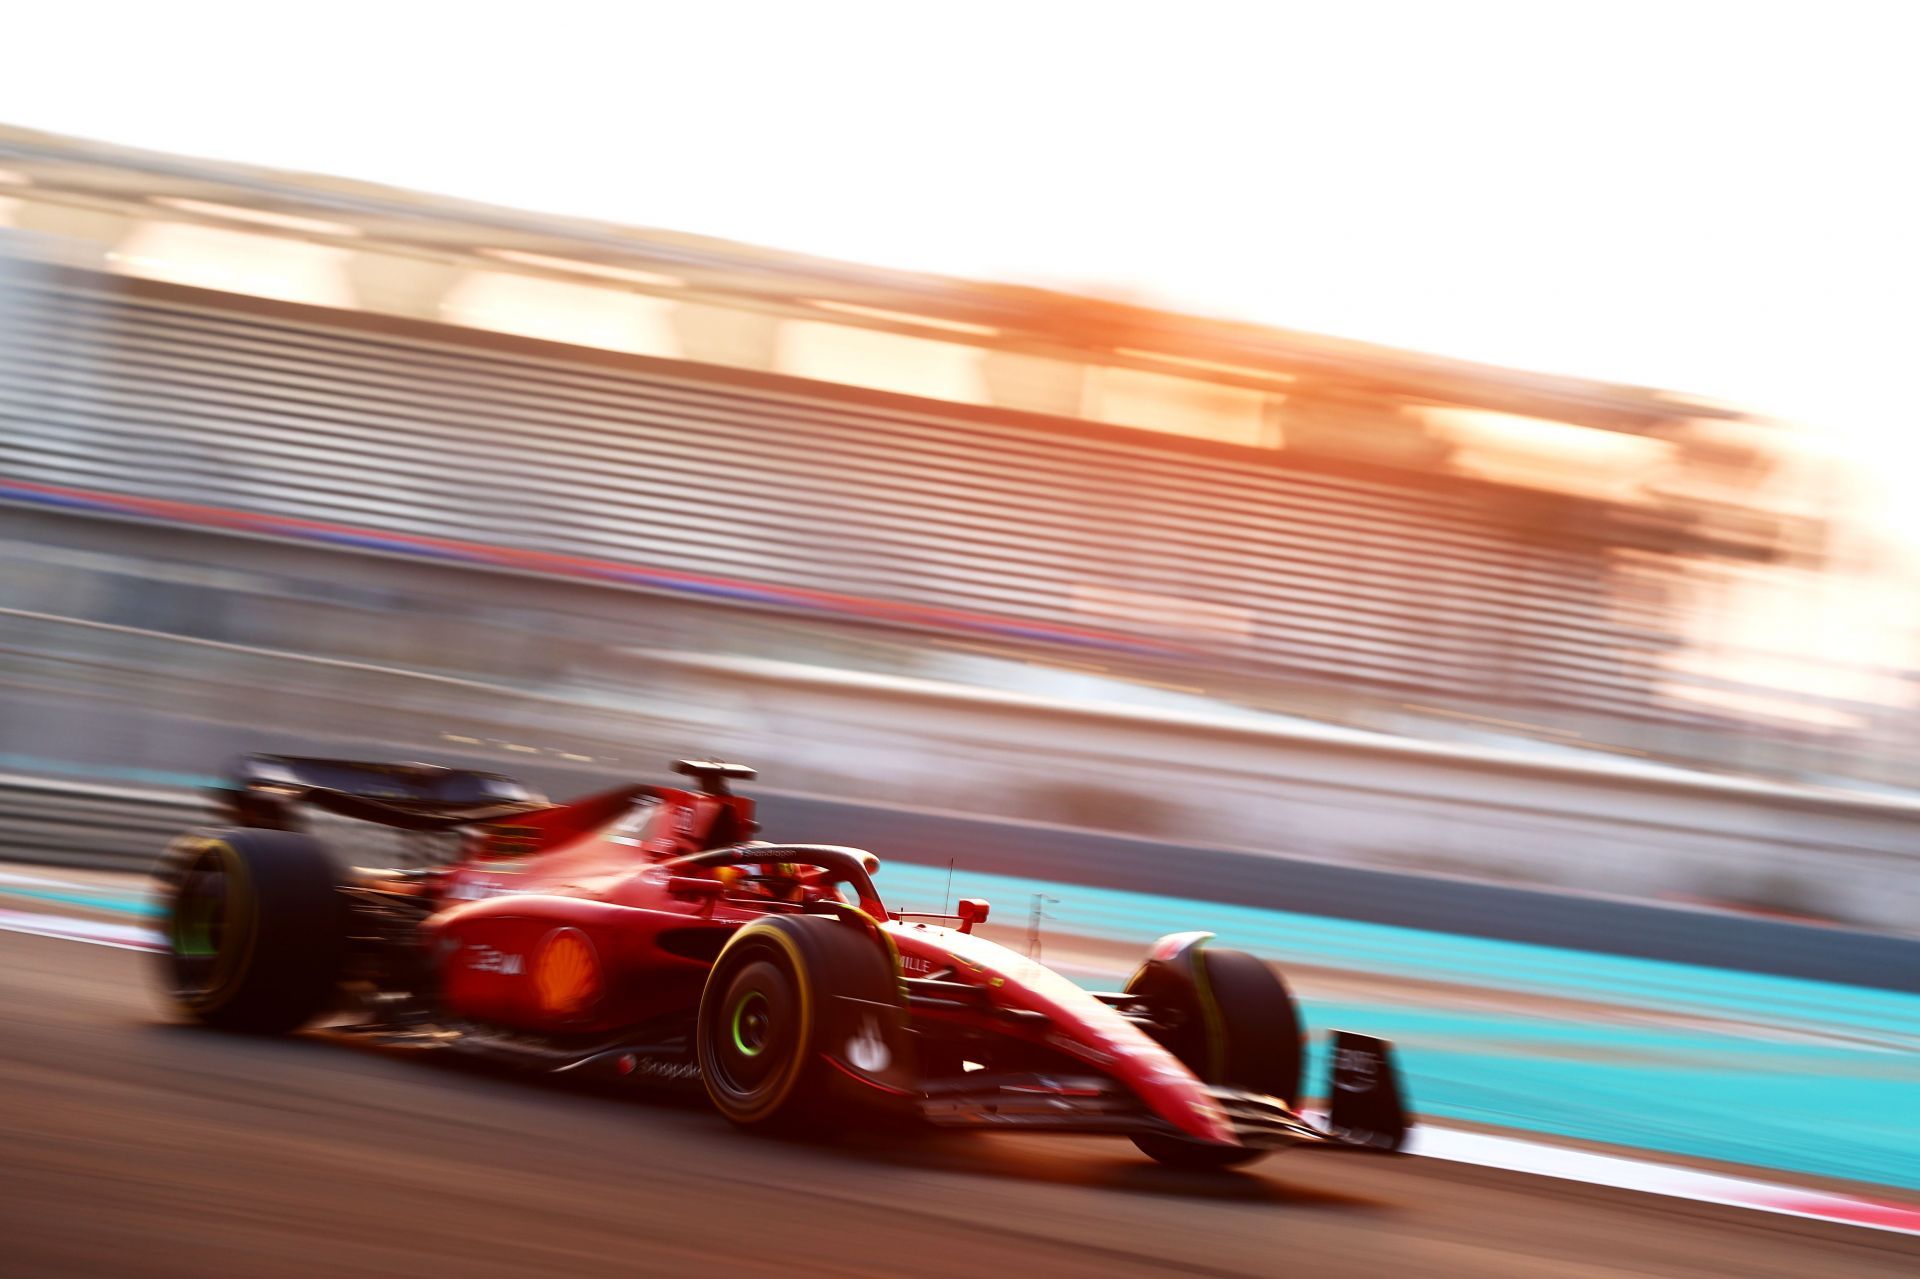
973 910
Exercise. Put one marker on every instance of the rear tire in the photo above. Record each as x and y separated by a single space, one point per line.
788 995
255 929
1233 1022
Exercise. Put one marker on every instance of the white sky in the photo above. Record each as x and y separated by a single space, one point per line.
1721 198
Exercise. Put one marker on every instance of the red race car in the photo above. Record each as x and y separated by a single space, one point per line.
647 933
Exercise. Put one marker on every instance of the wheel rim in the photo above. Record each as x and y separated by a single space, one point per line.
754 1045
207 926
751 1024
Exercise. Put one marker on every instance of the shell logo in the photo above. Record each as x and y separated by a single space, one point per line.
566 972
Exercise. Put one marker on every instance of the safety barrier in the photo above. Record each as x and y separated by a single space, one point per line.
1357 799
1108 886
162 702
99 827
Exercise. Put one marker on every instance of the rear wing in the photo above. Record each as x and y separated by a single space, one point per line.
268 790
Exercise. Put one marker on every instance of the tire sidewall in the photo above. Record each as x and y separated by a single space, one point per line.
846 982
280 969
1239 1028
750 947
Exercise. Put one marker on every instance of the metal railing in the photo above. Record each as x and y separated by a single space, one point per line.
99 827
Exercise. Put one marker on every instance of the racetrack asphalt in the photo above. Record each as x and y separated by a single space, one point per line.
133 1146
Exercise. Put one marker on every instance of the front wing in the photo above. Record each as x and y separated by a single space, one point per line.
1366 1108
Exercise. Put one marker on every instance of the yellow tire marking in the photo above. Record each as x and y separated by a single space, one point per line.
803 1042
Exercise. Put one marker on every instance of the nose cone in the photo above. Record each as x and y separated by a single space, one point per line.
1083 1026
1172 1092
1213 1125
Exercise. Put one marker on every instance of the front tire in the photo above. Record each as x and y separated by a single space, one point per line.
801 1020
1231 1020
255 929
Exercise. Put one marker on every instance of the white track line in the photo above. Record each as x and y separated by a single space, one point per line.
1541 1160
1454 1145
93 931
40 881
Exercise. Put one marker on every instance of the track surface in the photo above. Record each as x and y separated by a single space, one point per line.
129 1146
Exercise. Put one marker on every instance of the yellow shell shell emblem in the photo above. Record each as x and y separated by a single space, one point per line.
566 972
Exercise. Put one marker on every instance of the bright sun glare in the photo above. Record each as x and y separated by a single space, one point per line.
1703 196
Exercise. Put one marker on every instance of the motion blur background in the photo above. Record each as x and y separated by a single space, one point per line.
1425 492
303 460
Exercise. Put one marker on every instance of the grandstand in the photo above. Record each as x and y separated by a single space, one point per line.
877 465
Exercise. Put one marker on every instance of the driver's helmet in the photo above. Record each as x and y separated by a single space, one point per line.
779 881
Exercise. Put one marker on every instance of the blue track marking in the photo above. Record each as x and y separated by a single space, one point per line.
1889 1017
112 903
96 773
1831 1110
1817 1078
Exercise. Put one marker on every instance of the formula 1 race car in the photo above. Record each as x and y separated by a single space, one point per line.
646 933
